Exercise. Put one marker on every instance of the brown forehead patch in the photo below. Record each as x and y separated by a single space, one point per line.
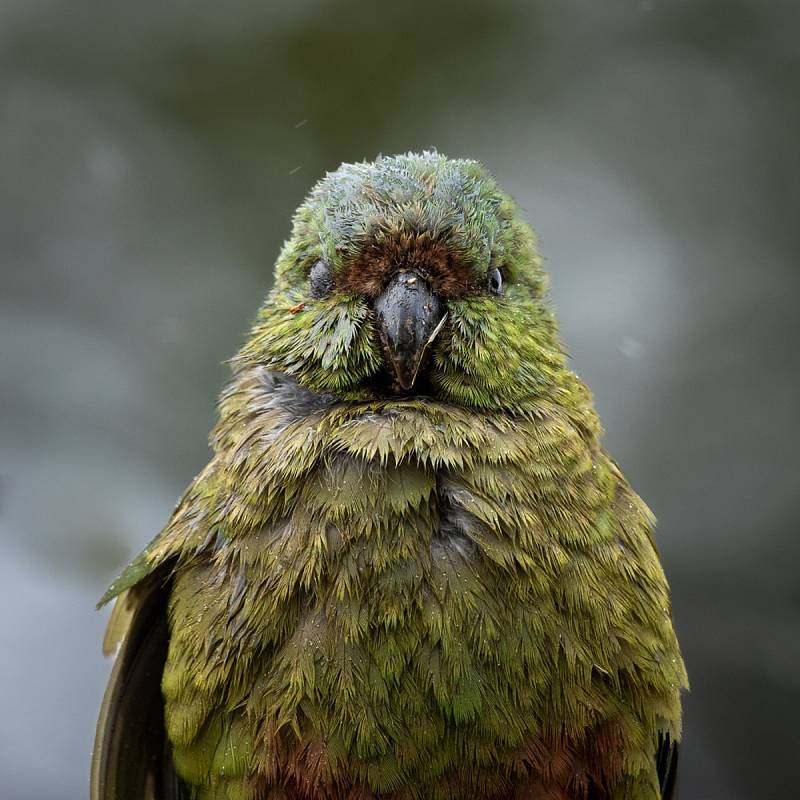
439 260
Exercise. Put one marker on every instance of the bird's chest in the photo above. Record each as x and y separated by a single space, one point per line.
403 600
406 621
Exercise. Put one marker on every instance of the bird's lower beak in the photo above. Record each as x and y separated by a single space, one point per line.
409 317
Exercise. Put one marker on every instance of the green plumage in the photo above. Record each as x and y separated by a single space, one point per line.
447 594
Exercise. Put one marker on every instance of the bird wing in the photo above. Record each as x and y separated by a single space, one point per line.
667 766
132 759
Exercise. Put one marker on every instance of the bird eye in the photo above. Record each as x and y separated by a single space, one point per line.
320 280
495 282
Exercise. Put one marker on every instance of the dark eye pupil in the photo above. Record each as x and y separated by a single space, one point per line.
320 280
495 281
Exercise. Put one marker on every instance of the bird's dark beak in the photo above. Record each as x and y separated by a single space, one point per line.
409 317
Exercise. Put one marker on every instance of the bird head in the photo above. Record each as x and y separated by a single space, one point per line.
410 275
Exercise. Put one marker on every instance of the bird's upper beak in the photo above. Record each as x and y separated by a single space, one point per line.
409 317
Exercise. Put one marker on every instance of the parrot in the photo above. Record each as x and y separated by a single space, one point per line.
409 571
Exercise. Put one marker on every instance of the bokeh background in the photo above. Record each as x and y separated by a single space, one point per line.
151 155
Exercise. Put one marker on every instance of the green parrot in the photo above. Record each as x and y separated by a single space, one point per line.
409 571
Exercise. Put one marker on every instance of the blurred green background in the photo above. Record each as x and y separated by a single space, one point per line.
151 155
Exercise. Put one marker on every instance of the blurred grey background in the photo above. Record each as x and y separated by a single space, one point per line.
151 155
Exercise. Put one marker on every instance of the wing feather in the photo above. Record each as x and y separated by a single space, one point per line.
131 759
667 767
